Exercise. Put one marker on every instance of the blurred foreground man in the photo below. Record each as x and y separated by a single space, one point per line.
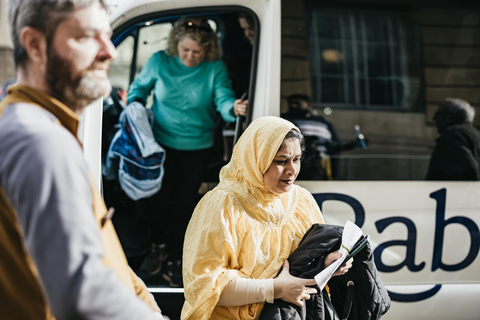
457 151
59 254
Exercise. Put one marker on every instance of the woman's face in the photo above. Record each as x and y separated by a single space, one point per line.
189 52
285 167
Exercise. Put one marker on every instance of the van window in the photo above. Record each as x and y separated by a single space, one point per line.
151 38
373 76
366 59
119 72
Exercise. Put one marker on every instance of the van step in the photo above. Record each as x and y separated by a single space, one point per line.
170 300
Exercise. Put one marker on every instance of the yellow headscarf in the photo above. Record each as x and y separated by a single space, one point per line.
240 229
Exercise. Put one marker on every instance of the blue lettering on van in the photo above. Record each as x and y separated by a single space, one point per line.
414 297
352 202
440 223
440 197
410 244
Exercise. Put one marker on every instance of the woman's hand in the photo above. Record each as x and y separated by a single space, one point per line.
332 257
240 107
292 289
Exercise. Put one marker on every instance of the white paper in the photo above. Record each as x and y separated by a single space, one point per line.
351 234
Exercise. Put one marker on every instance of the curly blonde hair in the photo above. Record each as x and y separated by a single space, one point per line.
201 33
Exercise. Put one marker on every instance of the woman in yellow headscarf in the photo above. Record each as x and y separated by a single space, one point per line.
242 232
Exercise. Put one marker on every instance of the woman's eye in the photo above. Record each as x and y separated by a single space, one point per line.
281 162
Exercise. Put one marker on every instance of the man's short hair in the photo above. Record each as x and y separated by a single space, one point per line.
43 15
459 107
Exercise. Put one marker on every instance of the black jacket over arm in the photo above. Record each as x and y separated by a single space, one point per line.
370 298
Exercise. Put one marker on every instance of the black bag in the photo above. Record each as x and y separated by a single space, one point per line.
367 300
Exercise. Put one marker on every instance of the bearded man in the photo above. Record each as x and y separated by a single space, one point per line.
60 257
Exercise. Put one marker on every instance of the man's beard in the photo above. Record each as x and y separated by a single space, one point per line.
75 89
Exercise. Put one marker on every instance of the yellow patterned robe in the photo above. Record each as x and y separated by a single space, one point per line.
240 229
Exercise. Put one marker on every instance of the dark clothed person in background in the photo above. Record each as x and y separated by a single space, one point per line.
59 254
237 52
456 155
246 22
321 140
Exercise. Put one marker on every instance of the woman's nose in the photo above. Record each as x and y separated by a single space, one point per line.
290 169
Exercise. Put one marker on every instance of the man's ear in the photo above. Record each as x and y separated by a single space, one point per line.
35 44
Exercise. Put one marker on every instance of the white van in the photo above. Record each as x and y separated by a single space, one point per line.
381 65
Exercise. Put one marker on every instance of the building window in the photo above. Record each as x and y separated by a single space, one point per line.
363 59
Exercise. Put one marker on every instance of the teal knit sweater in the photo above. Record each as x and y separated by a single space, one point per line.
185 100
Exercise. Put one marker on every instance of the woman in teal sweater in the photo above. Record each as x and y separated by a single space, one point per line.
190 85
